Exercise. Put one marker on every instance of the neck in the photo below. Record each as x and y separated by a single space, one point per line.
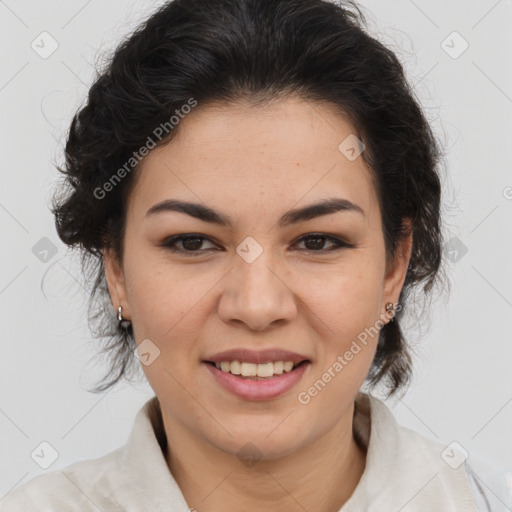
320 476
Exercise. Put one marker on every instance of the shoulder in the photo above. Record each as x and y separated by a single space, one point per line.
444 472
82 486
491 484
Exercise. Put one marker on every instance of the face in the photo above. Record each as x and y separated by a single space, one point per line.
311 285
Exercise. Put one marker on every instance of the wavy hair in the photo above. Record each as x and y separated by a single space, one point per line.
251 51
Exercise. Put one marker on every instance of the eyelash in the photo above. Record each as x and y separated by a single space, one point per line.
170 243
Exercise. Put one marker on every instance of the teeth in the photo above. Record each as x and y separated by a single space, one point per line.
265 370
255 370
278 367
235 369
248 369
287 366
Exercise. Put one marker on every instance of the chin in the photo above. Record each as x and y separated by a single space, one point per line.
264 441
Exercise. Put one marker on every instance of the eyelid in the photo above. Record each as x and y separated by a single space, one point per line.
169 243
338 240
340 243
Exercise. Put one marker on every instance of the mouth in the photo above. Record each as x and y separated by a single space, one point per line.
257 371
257 381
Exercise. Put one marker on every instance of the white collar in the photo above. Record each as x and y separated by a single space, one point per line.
404 470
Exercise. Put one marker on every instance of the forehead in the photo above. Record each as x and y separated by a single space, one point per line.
248 157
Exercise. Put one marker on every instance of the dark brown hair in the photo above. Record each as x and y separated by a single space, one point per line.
249 51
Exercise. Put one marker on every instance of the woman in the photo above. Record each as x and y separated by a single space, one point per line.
258 189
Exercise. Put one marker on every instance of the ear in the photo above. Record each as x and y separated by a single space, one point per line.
115 281
396 270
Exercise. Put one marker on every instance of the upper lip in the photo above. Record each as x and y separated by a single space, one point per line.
257 356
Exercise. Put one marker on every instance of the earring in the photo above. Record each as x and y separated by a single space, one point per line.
390 310
124 323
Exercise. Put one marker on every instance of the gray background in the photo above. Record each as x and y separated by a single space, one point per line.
462 389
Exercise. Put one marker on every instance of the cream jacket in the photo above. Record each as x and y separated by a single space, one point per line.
405 472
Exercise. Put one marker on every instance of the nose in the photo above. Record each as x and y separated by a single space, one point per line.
257 295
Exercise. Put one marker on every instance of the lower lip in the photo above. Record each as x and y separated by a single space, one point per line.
258 389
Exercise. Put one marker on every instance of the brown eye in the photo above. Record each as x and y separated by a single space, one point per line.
315 243
192 244
189 244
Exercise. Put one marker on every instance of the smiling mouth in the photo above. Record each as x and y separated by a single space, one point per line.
253 371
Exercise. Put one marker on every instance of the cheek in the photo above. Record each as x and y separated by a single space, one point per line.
169 305
154 296
346 300
350 312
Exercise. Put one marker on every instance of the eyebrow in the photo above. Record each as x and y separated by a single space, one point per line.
207 214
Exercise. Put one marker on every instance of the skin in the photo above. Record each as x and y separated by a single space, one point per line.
254 164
